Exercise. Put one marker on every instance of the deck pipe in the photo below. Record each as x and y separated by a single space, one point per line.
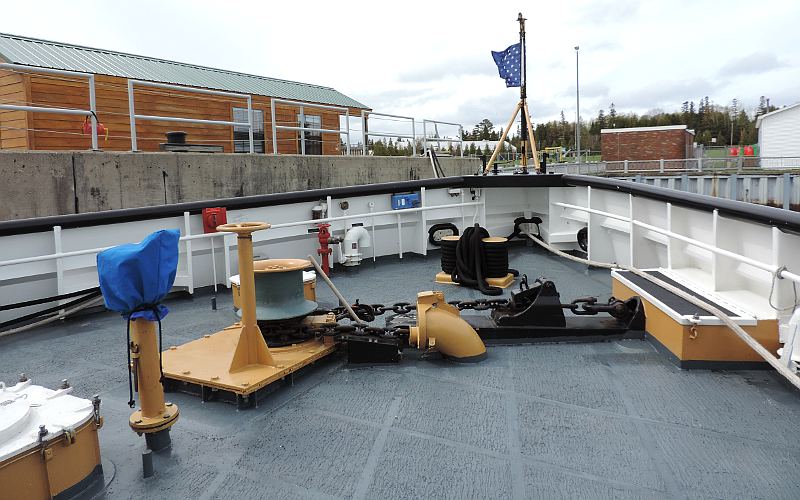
440 327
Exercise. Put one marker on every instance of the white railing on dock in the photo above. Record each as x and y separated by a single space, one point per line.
91 112
181 88
677 166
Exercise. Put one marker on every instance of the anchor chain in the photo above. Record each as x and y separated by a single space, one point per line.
368 313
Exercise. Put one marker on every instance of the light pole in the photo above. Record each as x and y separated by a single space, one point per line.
578 107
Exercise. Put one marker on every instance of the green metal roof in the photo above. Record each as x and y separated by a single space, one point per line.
56 55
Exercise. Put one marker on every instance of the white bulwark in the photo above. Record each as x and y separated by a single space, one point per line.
779 132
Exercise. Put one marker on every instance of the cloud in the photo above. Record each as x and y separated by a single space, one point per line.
667 94
607 12
603 45
496 108
757 62
452 68
590 89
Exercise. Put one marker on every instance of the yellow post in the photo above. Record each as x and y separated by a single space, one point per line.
144 353
251 348
155 416
531 138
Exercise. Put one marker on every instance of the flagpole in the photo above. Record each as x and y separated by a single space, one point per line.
526 130
522 96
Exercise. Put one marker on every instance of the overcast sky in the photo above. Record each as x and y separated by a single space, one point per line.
432 59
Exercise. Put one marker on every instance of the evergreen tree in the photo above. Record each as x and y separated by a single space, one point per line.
762 106
612 116
379 149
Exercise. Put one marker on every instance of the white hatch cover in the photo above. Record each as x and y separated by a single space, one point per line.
24 407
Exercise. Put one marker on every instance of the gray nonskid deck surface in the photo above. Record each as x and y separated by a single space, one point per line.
588 420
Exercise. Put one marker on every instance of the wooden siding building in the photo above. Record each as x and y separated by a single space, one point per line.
112 70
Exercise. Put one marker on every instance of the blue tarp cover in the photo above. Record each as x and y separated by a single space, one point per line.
136 276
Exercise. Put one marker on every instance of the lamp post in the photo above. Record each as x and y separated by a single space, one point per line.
578 107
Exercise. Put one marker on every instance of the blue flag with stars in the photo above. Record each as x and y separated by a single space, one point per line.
508 64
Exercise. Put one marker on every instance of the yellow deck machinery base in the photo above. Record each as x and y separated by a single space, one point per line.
504 282
201 367
695 341
235 364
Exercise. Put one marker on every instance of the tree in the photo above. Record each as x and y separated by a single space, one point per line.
762 106
612 116
707 119
379 149
601 117
485 129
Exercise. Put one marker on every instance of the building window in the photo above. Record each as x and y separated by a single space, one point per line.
241 137
313 139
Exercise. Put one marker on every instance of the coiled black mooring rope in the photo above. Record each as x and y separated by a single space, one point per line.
473 263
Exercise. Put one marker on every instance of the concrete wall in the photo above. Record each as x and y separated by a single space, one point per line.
37 184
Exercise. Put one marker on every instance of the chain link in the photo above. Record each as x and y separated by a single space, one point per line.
367 313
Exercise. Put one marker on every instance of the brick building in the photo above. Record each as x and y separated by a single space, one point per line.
671 142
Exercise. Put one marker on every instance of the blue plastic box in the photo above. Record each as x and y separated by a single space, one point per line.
405 200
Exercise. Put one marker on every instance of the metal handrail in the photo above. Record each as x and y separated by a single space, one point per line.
779 271
438 140
366 133
181 88
302 128
91 112
693 165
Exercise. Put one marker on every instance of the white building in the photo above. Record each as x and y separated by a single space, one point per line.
779 137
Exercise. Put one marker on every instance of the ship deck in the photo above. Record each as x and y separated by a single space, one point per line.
567 420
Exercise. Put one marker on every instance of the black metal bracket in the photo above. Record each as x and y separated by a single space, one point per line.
538 313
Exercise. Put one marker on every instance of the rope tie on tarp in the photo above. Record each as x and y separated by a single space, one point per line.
156 309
